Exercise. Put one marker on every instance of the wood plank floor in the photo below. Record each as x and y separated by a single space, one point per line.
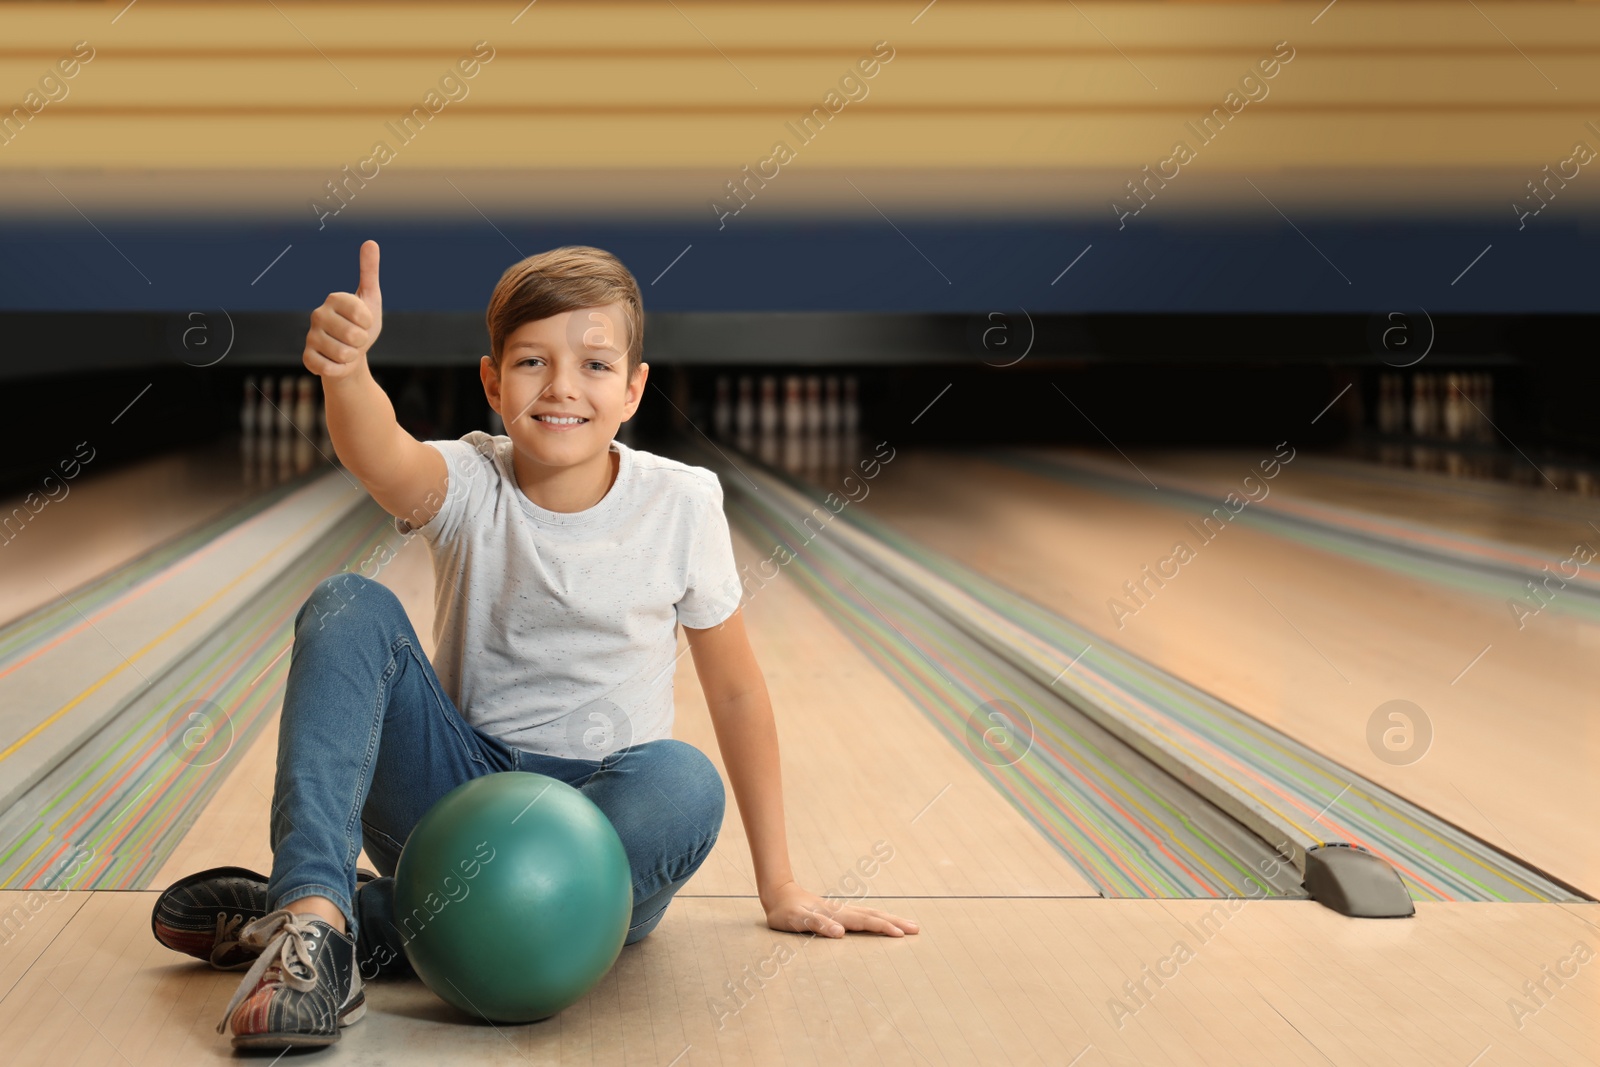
1306 641
990 981
1017 963
87 532
860 766
1535 517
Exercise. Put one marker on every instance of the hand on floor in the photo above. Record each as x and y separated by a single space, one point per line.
794 908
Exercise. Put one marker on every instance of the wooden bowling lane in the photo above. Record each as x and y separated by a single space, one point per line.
106 519
861 766
1535 517
57 536
1309 642
1015 963
989 981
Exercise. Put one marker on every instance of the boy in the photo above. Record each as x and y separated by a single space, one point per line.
564 562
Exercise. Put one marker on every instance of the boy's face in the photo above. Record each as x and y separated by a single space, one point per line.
562 387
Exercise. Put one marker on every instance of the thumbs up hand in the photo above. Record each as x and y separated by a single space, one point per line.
347 324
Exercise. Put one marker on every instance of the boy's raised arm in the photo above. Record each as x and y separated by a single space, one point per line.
406 477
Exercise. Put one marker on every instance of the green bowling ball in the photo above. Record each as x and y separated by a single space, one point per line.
513 896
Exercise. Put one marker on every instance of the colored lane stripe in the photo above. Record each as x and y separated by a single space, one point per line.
160 639
1436 861
1475 565
126 798
1126 840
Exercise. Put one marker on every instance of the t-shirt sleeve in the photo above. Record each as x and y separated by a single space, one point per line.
470 480
713 590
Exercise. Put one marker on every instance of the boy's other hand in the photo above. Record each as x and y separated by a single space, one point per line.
796 909
347 324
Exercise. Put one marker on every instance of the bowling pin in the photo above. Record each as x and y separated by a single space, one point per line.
324 437
285 408
768 411
286 434
794 410
1477 429
812 432
744 416
794 423
769 405
266 427
302 406
831 415
813 395
247 427
305 446
744 411
722 410
1453 405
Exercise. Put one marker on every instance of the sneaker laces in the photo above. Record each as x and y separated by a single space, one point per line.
285 957
227 937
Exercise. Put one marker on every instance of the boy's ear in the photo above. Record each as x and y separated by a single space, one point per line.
641 374
489 374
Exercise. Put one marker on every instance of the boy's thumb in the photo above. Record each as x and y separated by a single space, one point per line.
369 272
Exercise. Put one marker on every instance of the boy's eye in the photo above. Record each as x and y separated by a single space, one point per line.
593 364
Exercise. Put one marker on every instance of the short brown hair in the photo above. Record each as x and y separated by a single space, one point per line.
563 279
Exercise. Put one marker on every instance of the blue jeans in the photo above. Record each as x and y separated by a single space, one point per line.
369 741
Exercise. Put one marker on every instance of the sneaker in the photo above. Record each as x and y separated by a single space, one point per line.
302 988
202 915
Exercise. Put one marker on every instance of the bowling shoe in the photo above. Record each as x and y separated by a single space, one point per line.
203 914
302 988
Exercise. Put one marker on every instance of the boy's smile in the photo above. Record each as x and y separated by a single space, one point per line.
562 389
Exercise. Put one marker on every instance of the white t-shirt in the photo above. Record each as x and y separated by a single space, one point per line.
557 632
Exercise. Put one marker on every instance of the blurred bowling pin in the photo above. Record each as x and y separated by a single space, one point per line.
831 419
1474 404
811 433
744 411
744 416
794 423
324 438
831 414
813 404
849 421
285 408
247 427
1453 405
768 411
305 446
794 411
722 409
767 448
286 434
266 427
